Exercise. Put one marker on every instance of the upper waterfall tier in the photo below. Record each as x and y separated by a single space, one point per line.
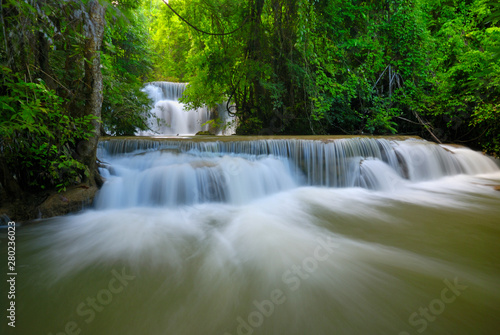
165 90
169 116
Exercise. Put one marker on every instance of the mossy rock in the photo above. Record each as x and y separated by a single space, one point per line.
74 199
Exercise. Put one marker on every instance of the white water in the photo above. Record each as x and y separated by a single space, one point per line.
356 236
171 179
171 173
170 117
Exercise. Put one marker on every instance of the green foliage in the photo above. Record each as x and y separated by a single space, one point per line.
38 135
368 57
45 94
465 93
297 66
171 41
487 117
126 64
47 78
289 66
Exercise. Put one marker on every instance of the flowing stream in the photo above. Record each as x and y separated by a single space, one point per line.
271 236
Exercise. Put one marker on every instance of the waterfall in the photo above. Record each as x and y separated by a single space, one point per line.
173 172
170 117
265 236
171 179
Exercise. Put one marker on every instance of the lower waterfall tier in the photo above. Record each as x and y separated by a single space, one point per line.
171 172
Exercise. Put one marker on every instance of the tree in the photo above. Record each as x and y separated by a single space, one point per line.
50 94
464 100
127 64
380 67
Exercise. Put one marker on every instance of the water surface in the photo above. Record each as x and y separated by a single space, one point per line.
199 241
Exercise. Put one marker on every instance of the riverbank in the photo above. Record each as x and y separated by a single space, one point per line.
49 203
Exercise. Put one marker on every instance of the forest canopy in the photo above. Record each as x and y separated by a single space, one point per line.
414 67
420 67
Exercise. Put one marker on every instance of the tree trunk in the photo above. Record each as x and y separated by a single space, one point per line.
94 31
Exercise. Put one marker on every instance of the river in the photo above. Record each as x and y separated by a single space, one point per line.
271 236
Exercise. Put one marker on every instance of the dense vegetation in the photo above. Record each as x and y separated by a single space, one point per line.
64 67
420 67
423 67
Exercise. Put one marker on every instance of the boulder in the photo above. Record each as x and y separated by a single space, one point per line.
73 199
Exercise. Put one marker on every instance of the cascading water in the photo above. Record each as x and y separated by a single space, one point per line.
271 236
169 116
188 167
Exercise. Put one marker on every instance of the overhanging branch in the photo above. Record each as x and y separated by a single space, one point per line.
202 31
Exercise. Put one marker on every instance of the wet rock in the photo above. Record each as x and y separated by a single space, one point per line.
72 200
47 204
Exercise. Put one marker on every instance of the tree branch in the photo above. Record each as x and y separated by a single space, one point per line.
202 31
